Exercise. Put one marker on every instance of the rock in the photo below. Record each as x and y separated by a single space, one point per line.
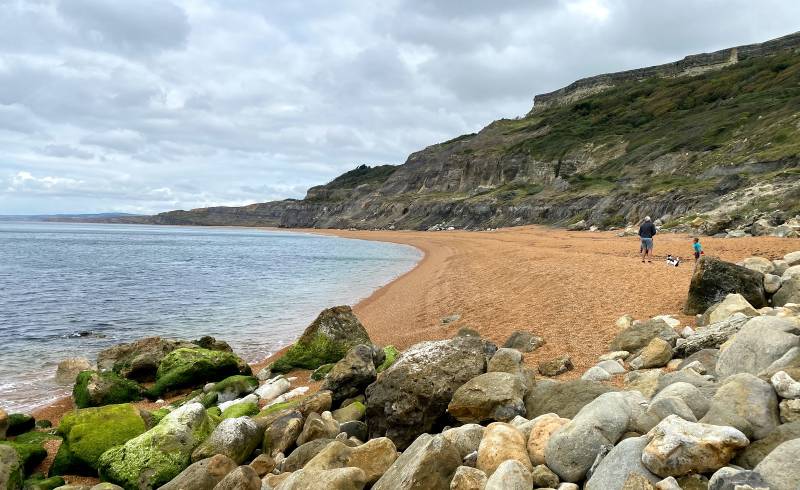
713 279
467 478
689 394
355 428
758 450
89 432
772 283
523 341
543 427
236 438
354 411
779 468
282 433
160 454
465 438
501 442
351 375
618 355
733 303
728 478
19 423
318 427
711 336
785 386
645 381
750 400
568 486
303 454
374 458
789 291
495 396
4 423
638 335
655 354
792 258
612 366
789 411
563 398
677 447
202 475
264 374
337 479
138 360
185 367
247 409
428 463
505 360
252 398
668 483
234 387
571 451
94 389
623 460
510 475
543 477
623 322
263 464
242 478
662 408
411 396
637 482
706 357
554 367
11 471
334 332
762 341
596 373
318 402
790 273
702 382
758 264
69 368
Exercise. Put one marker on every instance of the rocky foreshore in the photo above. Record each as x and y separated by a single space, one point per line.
714 405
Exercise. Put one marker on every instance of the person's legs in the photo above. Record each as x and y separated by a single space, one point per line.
642 249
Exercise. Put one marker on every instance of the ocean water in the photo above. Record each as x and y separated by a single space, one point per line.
73 289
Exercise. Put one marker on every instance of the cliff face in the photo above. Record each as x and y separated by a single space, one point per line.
721 143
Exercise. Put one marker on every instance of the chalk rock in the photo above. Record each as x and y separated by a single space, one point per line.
467 478
612 366
492 396
616 355
429 462
785 386
510 475
273 388
596 373
747 403
501 442
543 427
780 469
623 460
677 447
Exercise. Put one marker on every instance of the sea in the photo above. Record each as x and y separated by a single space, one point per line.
73 289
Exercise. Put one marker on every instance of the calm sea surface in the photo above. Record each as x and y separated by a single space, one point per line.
73 289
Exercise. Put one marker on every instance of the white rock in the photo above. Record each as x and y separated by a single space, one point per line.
299 391
669 319
758 264
771 283
790 273
792 258
733 303
624 322
273 389
613 367
251 398
696 366
687 331
785 386
614 356
668 483
596 373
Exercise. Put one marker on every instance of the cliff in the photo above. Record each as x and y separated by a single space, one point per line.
717 144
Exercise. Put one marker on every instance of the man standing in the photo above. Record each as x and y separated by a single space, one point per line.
646 232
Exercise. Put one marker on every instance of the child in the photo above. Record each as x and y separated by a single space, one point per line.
698 251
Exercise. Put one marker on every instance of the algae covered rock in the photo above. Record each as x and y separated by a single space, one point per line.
236 438
19 423
160 454
90 432
137 360
95 389
186 367
390 352
335 331
235 386
10 468
240 410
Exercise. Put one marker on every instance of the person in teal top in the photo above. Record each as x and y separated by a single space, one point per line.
698 250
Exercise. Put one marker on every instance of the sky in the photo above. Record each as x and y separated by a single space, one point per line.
143 106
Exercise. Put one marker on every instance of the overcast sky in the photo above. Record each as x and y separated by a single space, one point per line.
144 106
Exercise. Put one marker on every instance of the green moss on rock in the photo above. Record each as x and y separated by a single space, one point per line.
43 483
95 389
19 423
322 371
30 455
391 356
234 386
10 467
278 407
240 410
159 414
185 367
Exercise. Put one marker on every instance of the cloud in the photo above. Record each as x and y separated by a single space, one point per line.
153 105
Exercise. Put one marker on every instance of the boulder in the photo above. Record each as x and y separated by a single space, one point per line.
623 460
355 428
792 258
542 477
234 387
160 454
236 438
202 475
351 375
242 478
596 373
428 463
411 396
353 411
523 341
677 447
733 303
565 398
747 403
263 464
138 360
711 336
689 394
788 293
572 450
543 427
656 353
729 478
758 450
612 366
94 389
505 360
779 468
69 368
760 342
494 396
282 433
336 479
706 357
501 442
273 388
785 386
11 470
554 367
639 334
758 264
789 411
318 427
19 423
304 453
713 279
318 402
335 331
772 283
373 457
466 438
468 478
510 475
645 381
188 367
88 433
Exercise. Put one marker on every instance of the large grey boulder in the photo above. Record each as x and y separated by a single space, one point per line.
428 463
729 478
466 438
411 396
779 468
713 279
625 459
495 396
510 475
351 376
689 394
638 335
711 336
788 293
732 304
565 398
758 450
761 341
572 450
747 403
236 438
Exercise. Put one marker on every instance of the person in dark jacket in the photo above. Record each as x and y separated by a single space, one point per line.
646 233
